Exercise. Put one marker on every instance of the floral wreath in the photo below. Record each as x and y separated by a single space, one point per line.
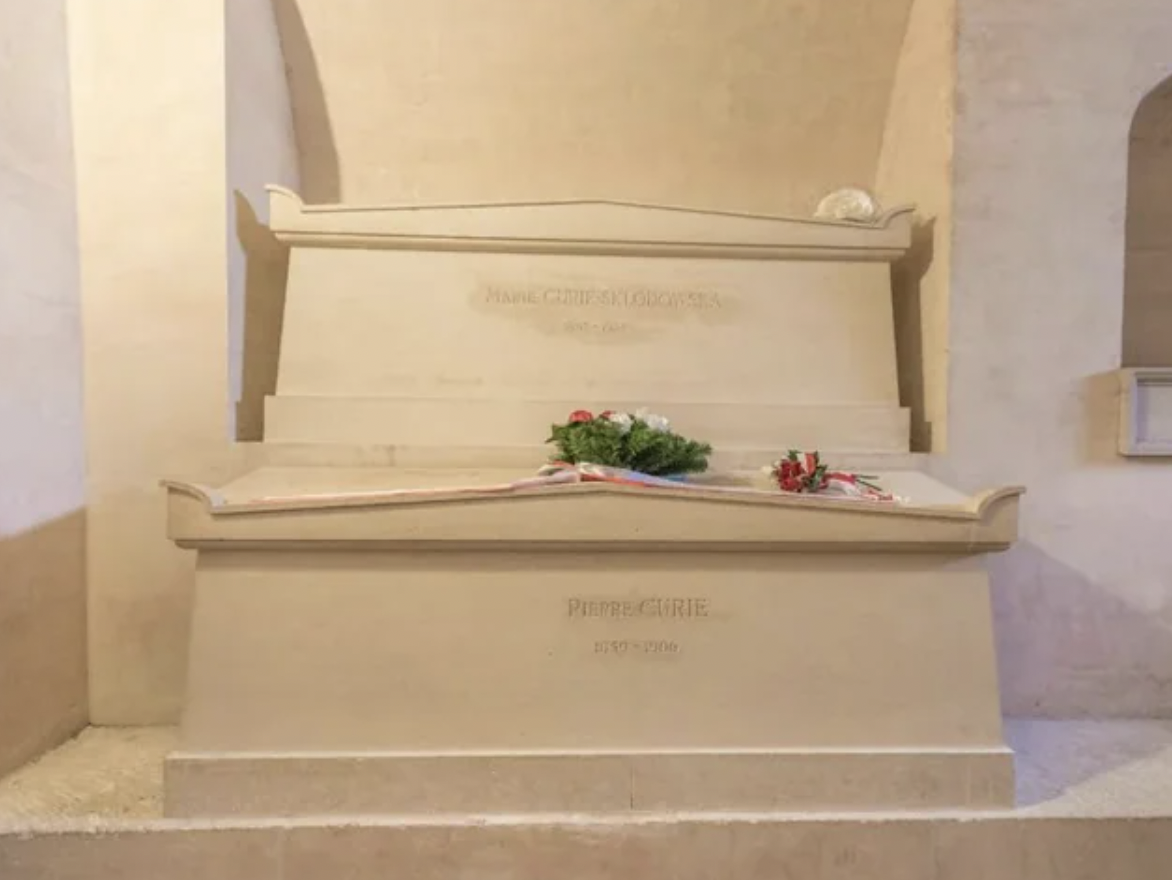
641 441
644 443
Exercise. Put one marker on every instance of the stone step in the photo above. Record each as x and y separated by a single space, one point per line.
254 455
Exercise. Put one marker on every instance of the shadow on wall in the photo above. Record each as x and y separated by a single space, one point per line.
266 272
43 689
1066 647
321 179
1147 286
906 278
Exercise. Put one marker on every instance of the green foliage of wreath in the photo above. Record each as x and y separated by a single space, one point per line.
638 448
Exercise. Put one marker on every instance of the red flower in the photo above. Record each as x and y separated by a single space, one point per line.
581 415
606 414
800 472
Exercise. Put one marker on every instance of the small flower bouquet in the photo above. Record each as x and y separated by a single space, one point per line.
805 473
641 441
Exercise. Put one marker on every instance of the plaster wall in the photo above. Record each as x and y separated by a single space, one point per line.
176 137
633 109
149 117
1046 94
739 106
42 485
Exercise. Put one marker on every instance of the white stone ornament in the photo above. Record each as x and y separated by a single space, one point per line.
852 205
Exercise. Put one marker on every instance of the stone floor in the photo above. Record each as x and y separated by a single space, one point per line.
1095 802
105 773
1065 769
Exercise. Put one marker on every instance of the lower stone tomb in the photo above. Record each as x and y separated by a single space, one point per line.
452 635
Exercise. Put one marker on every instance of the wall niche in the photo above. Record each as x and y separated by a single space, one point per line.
1147 288
1145 426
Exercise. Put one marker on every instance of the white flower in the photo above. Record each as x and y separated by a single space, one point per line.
652 421
659 423
622 419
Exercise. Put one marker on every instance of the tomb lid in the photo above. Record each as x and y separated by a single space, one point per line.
368 506
589 227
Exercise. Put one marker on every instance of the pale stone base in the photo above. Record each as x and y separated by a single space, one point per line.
211 786
804 682
590 648
512 651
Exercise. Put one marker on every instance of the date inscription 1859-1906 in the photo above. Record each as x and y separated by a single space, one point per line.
662 609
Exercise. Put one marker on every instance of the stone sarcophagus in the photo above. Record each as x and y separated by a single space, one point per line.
403 325
446 636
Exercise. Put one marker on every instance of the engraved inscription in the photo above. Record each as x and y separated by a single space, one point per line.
602 313
623 298
675 608
622 647
606 328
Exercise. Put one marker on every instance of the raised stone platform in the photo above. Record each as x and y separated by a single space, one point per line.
1095 801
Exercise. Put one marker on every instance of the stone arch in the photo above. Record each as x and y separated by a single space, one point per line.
1147 286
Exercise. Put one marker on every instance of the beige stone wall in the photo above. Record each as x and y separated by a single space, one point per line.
149 115
1045 102
176 137
42 454
710 103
